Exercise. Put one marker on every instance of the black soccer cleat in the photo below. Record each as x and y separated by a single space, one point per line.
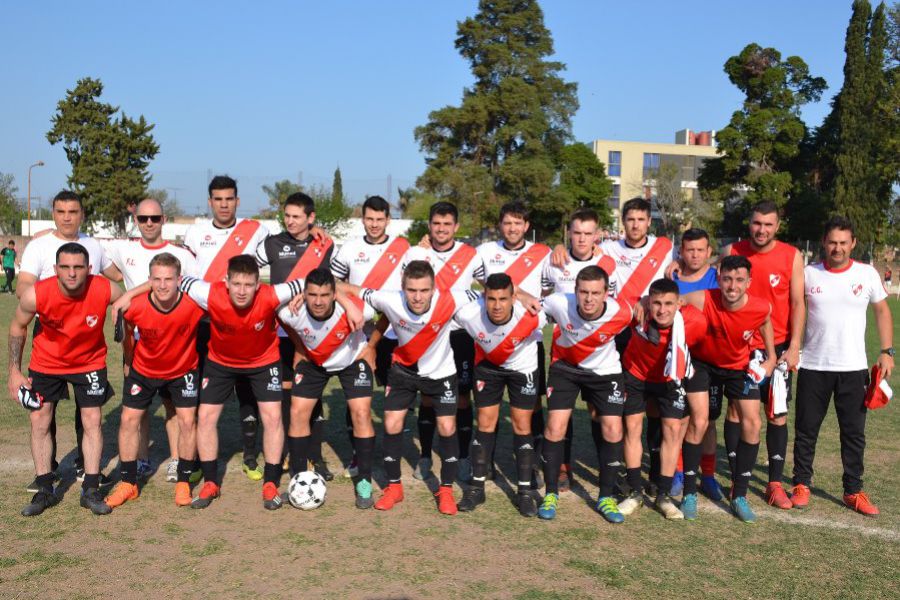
41 501
526 504
321 467
472 497
93 500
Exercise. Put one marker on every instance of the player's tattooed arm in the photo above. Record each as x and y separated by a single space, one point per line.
18 331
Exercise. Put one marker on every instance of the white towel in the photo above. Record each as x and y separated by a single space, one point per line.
777 401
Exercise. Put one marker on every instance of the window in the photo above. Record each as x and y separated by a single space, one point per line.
614 164
615 197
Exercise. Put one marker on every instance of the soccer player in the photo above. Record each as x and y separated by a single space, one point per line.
324 336
656 363
132 258
721 362
68 348
779 280
838 293
421 314
164 362
293 254
585 361
506 358
456 266
38 263
9 265
214 243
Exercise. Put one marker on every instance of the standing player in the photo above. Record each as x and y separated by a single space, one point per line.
505 358
721 361
324 336
834 362
214 243
164 362
68 348
9 265
779 281
421 315
456 266
585 361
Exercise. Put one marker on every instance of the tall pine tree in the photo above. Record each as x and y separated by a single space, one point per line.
337 187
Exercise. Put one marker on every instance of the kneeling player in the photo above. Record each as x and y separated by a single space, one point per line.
656 361
505 358
586 362
164 362
322 332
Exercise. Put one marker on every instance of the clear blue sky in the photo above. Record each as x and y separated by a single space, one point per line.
266 91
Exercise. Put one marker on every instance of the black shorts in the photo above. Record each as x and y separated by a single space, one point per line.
218 381
671 398
731 383
92 388
542 369
491 380
404 384
788 376
384 358
606 393
310 380
182 391
286 351
463 347
203 334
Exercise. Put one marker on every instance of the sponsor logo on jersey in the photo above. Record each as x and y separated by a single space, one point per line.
570 327
91 320
135 389
481 335
774 279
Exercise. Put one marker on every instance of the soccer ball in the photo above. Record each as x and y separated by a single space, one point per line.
307 490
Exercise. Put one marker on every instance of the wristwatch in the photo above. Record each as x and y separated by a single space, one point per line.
889 351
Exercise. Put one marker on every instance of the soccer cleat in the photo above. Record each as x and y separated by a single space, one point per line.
122 493
464 472
741 509
91 499
208 493
607 506
183 494
860 503
446 503
423 469
800 496
34 488
547 511
526 504
172 471
677 484
711 488
40 502
689 507
776 497
472 497
144 469
392 494
364 494
252 471
271 497
667 507
565 479
537 478
352 469
632 502
321 467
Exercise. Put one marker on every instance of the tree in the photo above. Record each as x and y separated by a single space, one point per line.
679 208
169 205
337 187
10 211
109 152
277 194
759 145
331 213
505 138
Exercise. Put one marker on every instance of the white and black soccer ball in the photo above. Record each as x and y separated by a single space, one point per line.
307 490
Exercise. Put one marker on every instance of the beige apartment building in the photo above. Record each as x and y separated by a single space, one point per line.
630 164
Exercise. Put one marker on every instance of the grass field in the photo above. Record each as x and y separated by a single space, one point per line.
235 548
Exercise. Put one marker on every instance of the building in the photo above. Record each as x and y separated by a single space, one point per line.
630 165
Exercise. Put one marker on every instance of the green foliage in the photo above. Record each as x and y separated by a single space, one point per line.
337 187
10 211
169 206
331 211
277 194
109 152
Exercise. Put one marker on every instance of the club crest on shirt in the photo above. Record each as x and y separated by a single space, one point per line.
653 262
392 258
748 334
774 279
258 326
91 320
135 389
856 288
238 240
436 327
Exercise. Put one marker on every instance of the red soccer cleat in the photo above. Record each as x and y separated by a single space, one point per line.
446 503
776 497
800 496
392 494
208 493
860 503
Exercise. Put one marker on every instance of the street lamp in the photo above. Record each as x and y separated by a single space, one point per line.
39 163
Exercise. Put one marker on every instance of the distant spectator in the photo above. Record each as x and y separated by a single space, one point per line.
888 276
9 266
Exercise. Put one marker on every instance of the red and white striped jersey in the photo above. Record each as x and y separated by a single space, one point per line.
330 343
375 266
589 345
424 340
510 345
524 266
454 269
637 268
213 246
562 279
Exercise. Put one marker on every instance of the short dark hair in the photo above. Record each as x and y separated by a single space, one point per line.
67 196
301 200
243 264
663 286
765 207
734 262
73 248
222 182
417 269
166 259
638 204
516 208
378 204
12 242
592 273
498 281
839 222
444 208
693 234
320 277
584 214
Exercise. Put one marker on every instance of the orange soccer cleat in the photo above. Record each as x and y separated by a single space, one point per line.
392 494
